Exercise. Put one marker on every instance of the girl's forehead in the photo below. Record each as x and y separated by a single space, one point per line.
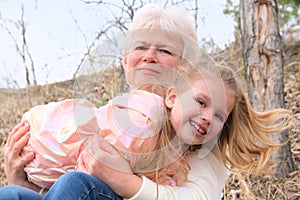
219 93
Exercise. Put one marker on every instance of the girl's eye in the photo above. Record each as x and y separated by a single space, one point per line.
201 102
219 117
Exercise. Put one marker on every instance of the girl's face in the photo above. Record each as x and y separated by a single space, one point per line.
151 56
199 113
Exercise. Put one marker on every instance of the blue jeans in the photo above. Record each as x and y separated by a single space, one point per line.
73 185
15 192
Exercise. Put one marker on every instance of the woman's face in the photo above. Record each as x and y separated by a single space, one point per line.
199 113
151 56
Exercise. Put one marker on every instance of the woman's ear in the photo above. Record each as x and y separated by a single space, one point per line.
170 97
124 60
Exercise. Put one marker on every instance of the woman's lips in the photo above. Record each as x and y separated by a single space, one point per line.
148 70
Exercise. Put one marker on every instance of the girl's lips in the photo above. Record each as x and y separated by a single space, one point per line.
199 129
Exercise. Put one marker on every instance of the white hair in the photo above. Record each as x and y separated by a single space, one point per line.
173 19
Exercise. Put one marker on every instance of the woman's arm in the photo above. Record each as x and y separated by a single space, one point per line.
207 176
13 161
103 161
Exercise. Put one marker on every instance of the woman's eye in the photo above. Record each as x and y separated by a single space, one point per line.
165 51
140 48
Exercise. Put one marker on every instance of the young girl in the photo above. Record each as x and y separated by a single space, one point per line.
206 105
245 141
136 123
198 111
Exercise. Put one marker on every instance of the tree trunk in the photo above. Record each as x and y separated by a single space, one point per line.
263 58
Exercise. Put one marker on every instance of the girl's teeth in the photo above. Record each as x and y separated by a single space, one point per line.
197 128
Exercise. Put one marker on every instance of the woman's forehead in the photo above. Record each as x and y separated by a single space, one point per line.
155 38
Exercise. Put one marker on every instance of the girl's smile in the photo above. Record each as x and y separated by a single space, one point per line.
199 130
199 110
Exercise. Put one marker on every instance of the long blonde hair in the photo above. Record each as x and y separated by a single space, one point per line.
246 141
170 156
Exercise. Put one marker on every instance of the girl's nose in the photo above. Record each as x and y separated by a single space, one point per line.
206 115
150 56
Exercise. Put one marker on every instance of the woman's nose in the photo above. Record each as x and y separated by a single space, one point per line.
150 56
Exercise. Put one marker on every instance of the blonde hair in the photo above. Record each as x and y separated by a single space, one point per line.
246 142
169 159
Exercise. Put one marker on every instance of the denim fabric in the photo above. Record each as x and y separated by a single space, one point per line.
15 192
81 186
71 186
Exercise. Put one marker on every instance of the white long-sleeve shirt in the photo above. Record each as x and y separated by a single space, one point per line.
207 178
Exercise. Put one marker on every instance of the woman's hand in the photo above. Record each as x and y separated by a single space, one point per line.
13 161
103 161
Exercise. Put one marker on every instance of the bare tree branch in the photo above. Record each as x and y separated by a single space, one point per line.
22 26
23 49
89 49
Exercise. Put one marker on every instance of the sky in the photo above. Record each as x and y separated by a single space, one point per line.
58 33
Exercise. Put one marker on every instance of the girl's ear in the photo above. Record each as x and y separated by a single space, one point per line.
170 97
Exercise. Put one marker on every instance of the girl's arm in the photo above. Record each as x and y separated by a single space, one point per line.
207 179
